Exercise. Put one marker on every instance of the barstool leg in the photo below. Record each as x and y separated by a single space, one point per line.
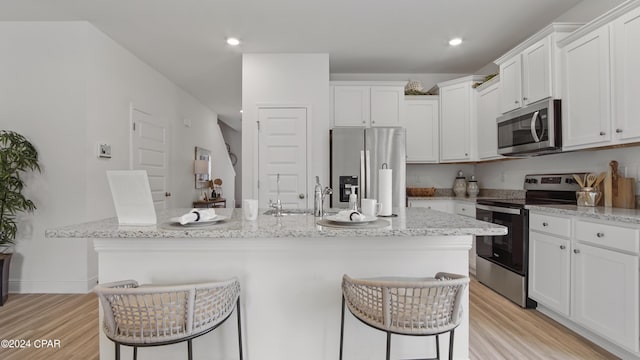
189 349
135 353
438 347
388 345
342 328
239 327
451 344
117 351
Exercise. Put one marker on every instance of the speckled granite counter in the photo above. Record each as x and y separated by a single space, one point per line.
411 222
631 216
290 271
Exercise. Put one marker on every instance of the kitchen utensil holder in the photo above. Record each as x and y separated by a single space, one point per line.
588 196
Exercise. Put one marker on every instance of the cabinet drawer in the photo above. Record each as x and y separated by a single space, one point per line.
616 237
466 209
550 224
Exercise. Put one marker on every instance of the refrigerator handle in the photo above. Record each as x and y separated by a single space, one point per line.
367 193
361 180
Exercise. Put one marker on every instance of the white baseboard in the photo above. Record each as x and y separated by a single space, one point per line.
52 287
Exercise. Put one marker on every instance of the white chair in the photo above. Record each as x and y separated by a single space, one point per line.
406 306
140 316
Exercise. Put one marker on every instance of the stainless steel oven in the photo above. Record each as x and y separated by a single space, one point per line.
502 261
532 130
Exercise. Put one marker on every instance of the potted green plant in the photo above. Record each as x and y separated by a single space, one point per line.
17 155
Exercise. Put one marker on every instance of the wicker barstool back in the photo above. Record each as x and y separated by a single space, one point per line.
141 316
406 306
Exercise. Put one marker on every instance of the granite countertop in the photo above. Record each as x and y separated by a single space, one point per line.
631 216
410 222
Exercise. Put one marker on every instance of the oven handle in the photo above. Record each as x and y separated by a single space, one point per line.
533 127
498 209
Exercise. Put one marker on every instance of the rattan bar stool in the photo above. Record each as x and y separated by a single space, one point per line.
141 316
406 306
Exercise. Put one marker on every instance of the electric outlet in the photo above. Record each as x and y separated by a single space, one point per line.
104 151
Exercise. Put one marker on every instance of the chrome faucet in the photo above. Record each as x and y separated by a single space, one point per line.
278 204
327 191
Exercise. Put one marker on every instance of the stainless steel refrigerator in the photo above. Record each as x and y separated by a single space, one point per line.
356 157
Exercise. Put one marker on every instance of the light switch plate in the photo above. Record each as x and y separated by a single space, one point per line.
104 151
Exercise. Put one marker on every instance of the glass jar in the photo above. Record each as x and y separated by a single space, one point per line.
460 185
588 196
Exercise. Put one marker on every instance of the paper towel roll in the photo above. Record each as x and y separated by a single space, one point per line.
384 191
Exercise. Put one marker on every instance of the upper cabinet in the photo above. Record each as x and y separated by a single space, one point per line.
529 71
601 79
422 129
487 111
457 120
365 104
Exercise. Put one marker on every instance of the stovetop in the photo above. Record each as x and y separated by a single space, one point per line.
542 189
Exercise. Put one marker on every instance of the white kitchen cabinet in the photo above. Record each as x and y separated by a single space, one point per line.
365 104
422 129
465 208
447 206
511 90
457 120
351 105
586 107
529 72
487 110
605 293
549 271
586 271
626 81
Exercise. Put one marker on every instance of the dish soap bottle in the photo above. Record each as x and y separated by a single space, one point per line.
317 198
353 199
460 185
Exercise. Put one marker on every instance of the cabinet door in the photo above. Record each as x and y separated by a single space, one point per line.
465 208
422 130
511 84
487 111
549 271
536 71
605 293
387 105
586 106
440 205
351 106
455 122
627 76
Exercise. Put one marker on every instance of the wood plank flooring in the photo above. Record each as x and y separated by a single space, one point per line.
499 329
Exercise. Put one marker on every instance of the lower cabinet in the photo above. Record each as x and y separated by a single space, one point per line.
589 275
549 269
440 205
605 293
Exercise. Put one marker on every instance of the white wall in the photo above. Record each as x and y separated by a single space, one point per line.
436 175
285 79
67 87
428 80
510 174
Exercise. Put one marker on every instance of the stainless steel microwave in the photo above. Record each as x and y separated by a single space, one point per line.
532 130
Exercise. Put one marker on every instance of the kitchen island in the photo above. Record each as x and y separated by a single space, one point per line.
290 270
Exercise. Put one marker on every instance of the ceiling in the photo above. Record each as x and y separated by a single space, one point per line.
185 39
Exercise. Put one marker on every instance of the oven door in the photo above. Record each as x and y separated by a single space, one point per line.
508 250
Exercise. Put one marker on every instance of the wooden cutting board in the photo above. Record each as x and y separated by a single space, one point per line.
625 196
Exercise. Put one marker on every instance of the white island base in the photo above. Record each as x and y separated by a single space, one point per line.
291 294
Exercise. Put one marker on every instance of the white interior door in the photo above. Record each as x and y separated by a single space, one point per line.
282 144
149 151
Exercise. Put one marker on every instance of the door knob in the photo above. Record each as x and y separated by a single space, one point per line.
301 196
562 247
619 131
602 133
167 194
576 251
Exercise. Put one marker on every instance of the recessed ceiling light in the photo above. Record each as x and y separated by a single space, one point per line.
233 41
455 41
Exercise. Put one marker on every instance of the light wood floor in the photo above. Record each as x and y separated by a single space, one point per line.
499 329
